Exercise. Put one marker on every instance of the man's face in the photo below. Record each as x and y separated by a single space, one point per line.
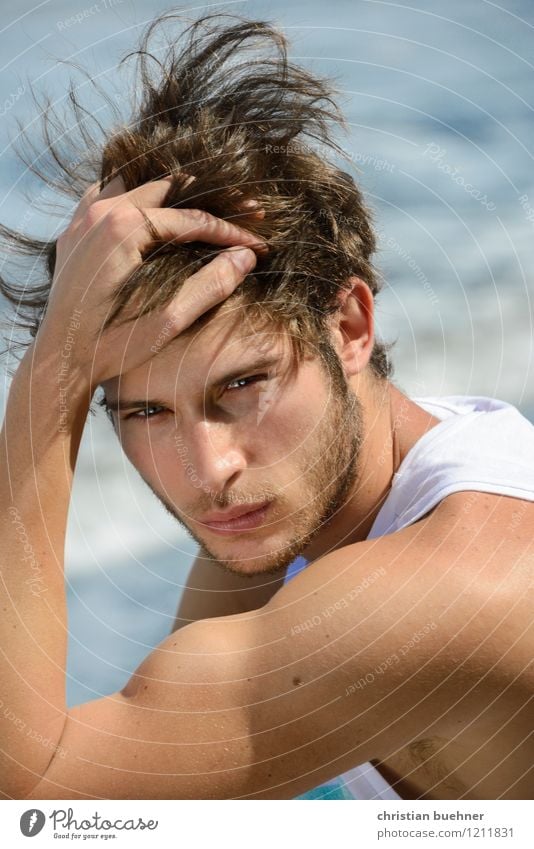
277 434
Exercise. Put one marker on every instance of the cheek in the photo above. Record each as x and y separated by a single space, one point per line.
149 454
307 409
290 428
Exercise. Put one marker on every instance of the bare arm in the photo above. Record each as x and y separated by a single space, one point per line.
46 411
377 645
251 705
37 465
271 704
211 591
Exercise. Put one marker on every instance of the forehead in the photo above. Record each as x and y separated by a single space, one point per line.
231 332
197 357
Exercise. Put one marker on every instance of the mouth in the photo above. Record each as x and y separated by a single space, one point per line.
245 522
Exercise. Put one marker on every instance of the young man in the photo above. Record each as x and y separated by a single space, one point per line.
245 384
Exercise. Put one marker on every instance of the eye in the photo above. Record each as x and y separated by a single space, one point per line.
243 382
145 414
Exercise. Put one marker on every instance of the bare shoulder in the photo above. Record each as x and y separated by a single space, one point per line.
486 530
468 533
502 516
490 538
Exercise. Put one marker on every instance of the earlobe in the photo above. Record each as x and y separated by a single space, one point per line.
354 326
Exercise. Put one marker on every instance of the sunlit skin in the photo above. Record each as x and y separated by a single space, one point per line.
244 701
322 454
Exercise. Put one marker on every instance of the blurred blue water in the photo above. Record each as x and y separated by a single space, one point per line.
116 617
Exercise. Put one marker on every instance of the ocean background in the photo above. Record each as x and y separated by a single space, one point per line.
439 101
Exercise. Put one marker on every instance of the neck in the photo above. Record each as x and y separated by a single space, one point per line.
392 426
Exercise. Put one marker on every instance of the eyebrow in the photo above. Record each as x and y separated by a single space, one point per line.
142 403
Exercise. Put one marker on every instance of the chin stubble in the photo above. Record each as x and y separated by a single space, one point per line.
330 472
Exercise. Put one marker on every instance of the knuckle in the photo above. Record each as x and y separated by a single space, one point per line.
94 213
121 222
199 216
172 318
233 266
221 283
216 289
227 265
117 219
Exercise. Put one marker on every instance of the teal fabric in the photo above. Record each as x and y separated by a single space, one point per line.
328 791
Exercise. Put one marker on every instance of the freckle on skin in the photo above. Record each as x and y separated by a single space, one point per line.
297 680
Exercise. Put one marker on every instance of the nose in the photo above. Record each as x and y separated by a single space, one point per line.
215 459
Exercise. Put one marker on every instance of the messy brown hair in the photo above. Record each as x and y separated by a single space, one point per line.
226 106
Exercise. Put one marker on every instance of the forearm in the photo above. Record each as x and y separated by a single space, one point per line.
38 449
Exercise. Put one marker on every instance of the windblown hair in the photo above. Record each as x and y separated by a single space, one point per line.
224 105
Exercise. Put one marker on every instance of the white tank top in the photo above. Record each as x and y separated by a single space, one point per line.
480 444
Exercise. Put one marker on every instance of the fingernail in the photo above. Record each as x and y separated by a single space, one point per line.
242 259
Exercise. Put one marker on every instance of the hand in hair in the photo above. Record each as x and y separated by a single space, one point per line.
105 242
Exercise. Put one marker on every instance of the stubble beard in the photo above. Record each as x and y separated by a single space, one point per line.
329 473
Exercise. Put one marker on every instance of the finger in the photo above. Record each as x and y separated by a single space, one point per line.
253 208
253 213
114 187
208 287
191 225
88 197
152 193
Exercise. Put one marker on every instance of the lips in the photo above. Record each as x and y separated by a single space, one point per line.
237 519
232 513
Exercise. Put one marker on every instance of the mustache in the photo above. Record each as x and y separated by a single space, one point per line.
233 499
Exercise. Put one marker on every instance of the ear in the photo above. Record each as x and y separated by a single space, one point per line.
353 326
